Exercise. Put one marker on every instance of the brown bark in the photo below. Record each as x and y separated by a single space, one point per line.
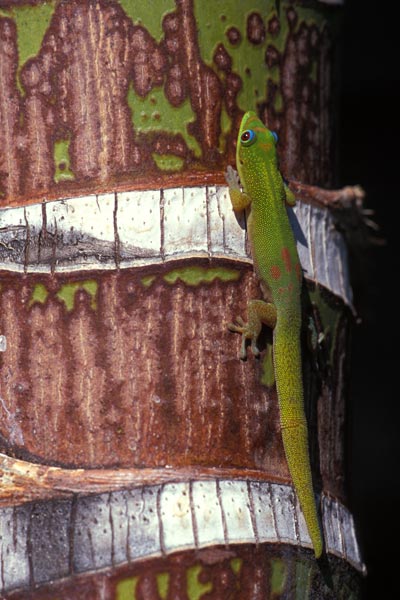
112 386
93 49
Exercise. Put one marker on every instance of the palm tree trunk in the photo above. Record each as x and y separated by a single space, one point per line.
140 458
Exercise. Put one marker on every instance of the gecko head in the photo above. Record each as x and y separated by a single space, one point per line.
255 141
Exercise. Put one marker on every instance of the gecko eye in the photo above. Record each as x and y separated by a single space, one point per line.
275 136
248 137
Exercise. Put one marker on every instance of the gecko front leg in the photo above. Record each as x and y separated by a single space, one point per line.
239 199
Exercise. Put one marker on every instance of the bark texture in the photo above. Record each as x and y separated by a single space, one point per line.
51 140
123 404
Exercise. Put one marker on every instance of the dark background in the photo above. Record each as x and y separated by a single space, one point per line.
368 155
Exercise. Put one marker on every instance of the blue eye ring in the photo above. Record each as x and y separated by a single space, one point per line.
248 137
275 136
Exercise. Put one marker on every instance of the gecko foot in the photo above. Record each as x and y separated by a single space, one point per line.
232 178
247 334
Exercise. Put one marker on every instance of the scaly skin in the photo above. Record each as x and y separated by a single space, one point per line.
277 266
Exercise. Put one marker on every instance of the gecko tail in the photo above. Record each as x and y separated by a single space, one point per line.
295 443
288 373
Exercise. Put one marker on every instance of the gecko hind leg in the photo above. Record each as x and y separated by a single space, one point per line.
258 312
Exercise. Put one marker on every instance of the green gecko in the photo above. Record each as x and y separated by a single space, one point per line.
277 266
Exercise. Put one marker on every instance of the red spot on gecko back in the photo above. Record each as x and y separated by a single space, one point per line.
275 272
286 259
286 290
